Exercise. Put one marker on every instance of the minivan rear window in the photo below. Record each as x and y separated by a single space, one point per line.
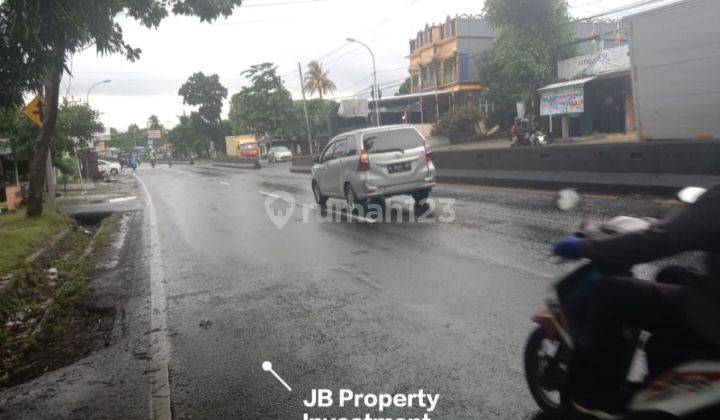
392 141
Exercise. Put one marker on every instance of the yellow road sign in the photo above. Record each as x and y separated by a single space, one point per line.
34 110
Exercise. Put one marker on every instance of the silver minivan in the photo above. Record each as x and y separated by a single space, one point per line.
374 163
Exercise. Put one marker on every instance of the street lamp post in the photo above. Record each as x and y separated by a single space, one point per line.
375 85
87 97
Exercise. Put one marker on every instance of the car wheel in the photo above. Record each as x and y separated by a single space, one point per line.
421 195
319 197
352 198
113 171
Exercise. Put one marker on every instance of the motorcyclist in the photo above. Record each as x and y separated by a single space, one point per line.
681 310
133 163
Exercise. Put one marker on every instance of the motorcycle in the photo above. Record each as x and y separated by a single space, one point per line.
537 139
689 390
527 137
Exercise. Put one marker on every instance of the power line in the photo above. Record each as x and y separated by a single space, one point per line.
373 27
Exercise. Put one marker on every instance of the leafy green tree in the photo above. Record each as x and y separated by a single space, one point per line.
127 141
38 36
458 125
76 126
154 123
524 56
317 80
265 107
208 95
184 137
406 87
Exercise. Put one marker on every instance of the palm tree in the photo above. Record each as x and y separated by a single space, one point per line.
317 80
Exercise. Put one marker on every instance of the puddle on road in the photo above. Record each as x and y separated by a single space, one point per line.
271 186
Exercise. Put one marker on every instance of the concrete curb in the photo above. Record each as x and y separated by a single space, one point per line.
658 167
237 166
302 164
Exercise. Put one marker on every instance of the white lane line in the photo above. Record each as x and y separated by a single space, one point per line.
224 183
159 346
362 219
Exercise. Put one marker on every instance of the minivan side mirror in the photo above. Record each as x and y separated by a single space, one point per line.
316 159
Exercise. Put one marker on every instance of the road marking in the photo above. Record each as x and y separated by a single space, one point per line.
225 183
159 347
314 207
267 367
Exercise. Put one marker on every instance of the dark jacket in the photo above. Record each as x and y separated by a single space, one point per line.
697 228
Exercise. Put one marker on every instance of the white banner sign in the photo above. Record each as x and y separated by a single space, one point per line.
563 101
611 59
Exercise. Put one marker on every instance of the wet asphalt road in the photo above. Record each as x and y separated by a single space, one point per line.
393 307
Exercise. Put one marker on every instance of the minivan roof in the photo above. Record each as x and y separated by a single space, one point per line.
378 129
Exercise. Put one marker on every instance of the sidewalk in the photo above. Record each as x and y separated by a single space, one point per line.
101 198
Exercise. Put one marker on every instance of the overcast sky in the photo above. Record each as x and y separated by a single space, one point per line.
284 32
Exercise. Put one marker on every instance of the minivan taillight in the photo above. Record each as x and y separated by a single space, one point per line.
364 163
428 152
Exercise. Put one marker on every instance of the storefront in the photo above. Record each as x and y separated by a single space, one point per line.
596 101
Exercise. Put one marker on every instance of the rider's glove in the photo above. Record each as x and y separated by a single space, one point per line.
569 247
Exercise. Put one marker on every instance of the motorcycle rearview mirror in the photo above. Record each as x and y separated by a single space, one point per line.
690 195
568 199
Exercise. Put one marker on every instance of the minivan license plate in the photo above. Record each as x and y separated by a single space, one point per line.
399 167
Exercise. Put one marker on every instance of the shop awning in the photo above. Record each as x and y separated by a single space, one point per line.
565 85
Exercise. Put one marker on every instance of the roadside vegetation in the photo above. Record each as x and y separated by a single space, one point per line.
45 320
19 235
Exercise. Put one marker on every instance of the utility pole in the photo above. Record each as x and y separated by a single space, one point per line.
307 119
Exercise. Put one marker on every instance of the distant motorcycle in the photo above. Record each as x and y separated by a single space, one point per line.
530 139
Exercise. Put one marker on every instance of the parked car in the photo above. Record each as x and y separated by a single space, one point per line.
374 163
279 154
249 150
112 168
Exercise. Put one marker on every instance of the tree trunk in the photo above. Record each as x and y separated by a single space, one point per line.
44 141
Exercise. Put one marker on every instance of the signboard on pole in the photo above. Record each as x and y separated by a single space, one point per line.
561 102
34 110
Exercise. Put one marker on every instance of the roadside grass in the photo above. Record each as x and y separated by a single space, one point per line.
48 322
19 235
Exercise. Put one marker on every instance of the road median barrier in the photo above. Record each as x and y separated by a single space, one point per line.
660 167
237 163
302 164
